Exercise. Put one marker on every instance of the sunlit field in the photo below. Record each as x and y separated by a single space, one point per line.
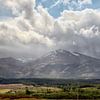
66 90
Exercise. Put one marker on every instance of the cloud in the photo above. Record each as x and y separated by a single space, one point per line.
59 2
23 30
85 1
12 34
34 29
20 6
79 28
71 4
25 27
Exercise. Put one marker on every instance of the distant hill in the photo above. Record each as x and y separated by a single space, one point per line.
10 67
56 64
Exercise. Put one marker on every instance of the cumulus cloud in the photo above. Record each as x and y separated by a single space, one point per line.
34 29
79 30
11 34
27 27
19 6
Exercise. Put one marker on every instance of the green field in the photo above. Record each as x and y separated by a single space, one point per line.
37 89
30 92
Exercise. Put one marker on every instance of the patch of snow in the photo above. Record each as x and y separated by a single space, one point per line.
88 75
22 60
74 53
65 69
25 60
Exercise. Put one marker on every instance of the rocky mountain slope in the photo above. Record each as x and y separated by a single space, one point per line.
56 64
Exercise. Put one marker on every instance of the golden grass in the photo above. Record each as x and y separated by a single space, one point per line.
3 91
28 99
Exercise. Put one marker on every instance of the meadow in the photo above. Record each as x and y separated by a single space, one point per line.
67 90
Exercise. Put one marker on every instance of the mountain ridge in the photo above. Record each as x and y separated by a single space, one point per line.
56 64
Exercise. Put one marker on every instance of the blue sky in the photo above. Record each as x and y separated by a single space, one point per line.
56 10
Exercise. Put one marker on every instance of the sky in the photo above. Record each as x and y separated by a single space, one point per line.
31 28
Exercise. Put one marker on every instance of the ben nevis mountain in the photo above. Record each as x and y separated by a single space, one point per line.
56 64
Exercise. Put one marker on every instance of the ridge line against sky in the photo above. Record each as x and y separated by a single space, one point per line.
30 28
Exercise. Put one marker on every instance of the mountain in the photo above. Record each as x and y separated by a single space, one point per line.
65 64
10 67
56 64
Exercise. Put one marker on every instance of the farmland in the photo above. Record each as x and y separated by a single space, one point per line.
59 89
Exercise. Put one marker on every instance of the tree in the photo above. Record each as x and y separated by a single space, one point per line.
27 92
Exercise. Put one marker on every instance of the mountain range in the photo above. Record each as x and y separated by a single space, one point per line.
56 64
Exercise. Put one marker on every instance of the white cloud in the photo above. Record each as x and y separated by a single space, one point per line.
72 4
80 27
85 1
10 34
25 27
58 2
36 28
